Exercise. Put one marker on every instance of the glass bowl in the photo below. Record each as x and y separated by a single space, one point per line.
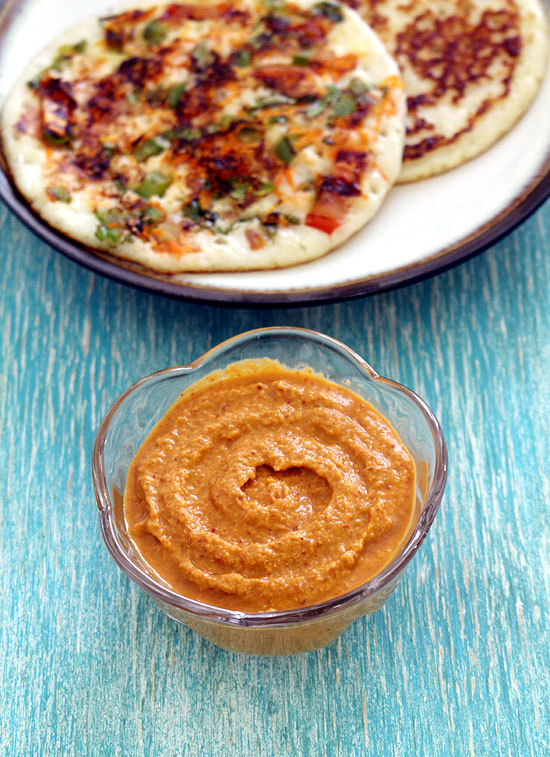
137 411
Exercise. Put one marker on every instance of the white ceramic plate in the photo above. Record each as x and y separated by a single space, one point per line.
421 229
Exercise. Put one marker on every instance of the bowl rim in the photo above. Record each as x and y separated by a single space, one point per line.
276 617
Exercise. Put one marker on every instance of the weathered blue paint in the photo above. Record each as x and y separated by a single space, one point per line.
457 663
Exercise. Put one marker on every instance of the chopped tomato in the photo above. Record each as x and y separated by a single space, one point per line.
310 33
58 107
292 81
176 12
328 225
328 211
338 65
255 239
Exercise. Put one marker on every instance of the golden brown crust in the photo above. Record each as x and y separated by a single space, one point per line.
463 62
207 137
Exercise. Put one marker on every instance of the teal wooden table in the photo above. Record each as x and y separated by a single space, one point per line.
457 663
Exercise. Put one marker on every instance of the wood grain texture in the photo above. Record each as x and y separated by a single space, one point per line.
458 661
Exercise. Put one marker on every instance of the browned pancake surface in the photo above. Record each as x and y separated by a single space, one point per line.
462 62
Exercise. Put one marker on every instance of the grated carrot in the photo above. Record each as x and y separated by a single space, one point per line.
288 176
306 139
382 173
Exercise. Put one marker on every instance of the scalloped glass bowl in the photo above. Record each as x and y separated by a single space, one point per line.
136 412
